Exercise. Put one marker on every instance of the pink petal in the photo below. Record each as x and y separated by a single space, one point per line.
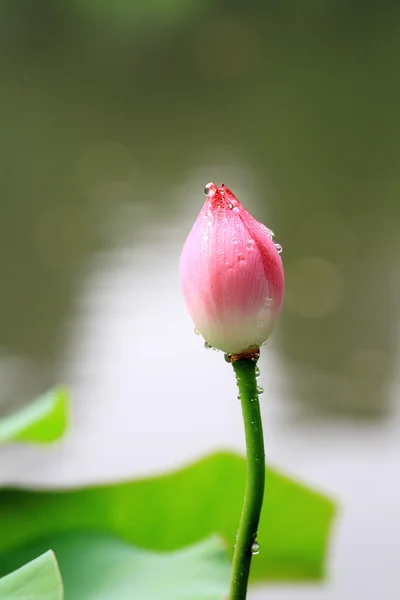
231 275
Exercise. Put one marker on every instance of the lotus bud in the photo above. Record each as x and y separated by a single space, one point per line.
231 275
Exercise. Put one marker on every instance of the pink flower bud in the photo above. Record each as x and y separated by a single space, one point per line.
231 274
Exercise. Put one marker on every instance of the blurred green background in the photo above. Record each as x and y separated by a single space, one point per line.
114 116
114 102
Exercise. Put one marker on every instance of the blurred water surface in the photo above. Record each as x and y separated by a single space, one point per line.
106 120
112 124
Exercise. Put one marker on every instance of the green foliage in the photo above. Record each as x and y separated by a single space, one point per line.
37 580
42 421
178 509
100 567
94 530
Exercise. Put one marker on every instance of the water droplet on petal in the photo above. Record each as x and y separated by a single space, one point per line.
270 233
279 248
255 548
207 346
257 372
251 243
210 189
260 390
197 332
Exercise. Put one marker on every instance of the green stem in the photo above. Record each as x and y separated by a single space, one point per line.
245 370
